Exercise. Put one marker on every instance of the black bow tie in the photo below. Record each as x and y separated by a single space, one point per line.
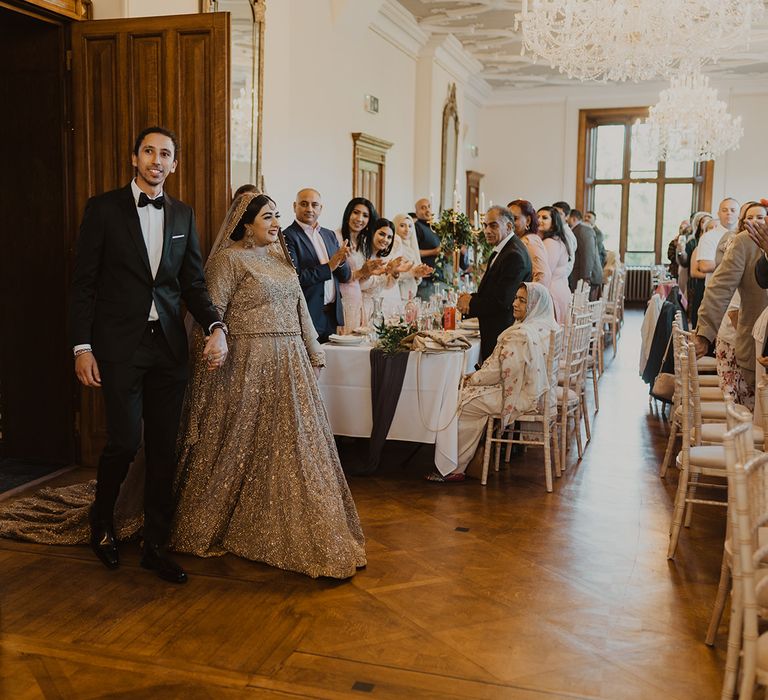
157 203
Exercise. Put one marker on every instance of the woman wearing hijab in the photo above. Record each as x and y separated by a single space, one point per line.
512 380
406 246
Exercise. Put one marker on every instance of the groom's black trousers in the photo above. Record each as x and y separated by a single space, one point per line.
150 386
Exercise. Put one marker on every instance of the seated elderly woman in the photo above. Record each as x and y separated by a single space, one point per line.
512 380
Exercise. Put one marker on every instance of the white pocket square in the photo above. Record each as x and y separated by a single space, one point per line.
180 236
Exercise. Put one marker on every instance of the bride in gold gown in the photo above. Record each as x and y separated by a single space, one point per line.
259 474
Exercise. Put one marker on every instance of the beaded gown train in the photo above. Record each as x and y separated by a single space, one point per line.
259 474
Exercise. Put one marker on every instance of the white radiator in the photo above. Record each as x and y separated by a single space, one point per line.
638 285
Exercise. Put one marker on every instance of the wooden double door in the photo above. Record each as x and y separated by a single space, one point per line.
75 94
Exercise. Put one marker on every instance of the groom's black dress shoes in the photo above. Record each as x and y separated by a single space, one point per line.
104 544
156 559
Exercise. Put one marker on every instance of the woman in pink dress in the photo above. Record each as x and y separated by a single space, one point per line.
558 256
359 216
527 228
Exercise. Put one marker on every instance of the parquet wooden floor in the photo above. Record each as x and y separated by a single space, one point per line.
543 596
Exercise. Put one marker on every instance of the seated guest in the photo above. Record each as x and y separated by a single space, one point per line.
359 216
406 246
376 244
512 380
558 254
508 266
587 265
527 228
319 261
429 245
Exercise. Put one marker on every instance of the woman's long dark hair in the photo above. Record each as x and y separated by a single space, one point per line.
557 230
365 239
250 213
373 215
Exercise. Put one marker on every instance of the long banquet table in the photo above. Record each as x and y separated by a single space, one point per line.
345 385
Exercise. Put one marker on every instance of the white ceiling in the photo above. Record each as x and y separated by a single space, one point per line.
486 30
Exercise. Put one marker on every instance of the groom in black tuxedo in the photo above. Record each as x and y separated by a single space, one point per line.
509 265
137 259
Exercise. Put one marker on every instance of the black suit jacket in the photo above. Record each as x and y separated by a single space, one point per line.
112 284
312 273
492 302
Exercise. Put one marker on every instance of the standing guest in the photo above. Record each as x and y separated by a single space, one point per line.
695 290
675 247
429 245
407 246
740 270
377 244
732 381
709 256
320 263
587 265
564 209
137 259
509 265
589 218
245 189
359 216
558 253
511 381
527 228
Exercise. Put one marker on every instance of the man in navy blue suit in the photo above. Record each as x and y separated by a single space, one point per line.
320 262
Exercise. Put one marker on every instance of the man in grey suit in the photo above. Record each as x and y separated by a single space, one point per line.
590 218
587 265
737 271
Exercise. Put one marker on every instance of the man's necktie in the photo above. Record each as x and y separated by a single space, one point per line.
156 203
490 260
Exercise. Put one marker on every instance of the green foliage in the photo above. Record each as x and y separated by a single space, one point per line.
453 234
390 335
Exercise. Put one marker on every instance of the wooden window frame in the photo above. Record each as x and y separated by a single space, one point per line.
373 150
589 120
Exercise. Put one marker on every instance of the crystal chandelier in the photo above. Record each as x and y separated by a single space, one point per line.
690 123
632 39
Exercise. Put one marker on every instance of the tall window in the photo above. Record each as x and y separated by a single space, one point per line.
639 202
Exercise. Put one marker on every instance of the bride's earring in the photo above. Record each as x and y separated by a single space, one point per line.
249 240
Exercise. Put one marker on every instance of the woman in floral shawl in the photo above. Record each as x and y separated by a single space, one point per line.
512 380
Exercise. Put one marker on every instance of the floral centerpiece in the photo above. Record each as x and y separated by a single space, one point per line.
454 230
390 335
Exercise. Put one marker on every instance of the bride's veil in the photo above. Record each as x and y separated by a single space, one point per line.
232 219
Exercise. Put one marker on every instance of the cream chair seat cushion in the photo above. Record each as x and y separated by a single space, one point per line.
715 432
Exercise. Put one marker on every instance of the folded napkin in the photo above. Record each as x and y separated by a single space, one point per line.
436 341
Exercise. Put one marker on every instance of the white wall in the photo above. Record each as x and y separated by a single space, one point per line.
319 65
112 9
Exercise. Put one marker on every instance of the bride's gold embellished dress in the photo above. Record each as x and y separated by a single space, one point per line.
259 474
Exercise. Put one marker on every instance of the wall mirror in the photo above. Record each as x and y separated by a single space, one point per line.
450 150
246 86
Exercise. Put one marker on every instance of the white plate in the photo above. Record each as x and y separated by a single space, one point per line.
470 324
346 339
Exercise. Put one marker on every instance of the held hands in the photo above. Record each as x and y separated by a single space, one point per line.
422 270
340 256
758 232
86 370
462 303
701 344
215 350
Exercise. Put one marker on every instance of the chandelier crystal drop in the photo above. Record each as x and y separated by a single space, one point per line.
690 122
633 39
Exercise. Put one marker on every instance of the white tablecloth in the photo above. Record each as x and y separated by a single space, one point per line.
345 385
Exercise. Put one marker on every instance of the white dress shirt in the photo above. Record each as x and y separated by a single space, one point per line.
313 233
499 246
